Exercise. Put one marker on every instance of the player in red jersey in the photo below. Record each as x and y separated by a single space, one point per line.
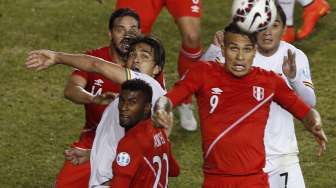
187 16
87 88
144 158
234 101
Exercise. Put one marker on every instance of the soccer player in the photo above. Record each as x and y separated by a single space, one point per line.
94 91
187 15
147 56
282 162
313 10
234 102
144 157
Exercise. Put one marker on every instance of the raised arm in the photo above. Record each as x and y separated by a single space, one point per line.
43 59
296 68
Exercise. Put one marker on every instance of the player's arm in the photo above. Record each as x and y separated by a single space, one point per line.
190 83
75 90
42 59
310 117
296 68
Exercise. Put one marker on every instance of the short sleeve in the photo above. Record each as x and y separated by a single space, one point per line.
128 159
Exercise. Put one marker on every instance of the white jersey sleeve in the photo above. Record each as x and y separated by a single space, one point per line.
302 83
109 133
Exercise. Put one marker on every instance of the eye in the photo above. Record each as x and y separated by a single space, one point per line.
234 48
247 50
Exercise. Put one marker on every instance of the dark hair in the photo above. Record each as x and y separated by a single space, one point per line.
153 42
119 13
281 14
139 85
233 28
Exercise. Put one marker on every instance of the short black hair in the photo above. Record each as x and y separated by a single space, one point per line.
153 42
122 12
281 14
233 28
139 85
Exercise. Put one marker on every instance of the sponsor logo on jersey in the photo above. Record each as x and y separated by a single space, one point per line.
216 91
258 93
123 159
98 82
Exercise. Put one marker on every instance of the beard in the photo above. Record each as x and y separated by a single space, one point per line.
121 49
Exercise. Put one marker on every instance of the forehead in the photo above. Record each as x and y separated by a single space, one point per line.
125 21
128 94
143 47
238 39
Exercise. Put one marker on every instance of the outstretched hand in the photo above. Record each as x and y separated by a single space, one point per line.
77 156
40 59
289 65
313 124
105 98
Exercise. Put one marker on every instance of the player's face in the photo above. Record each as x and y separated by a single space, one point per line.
268 40
121 27
132 108
141 59
239 52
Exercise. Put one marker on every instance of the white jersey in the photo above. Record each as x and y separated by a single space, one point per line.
280 136
109 133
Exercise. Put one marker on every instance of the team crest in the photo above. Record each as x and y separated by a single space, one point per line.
123 159
258 93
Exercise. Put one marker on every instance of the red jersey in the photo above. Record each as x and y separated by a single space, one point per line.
144 158
96 84
233 113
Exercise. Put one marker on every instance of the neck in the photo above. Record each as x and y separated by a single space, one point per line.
270 52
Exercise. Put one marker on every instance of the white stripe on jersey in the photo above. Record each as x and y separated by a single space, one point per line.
237 123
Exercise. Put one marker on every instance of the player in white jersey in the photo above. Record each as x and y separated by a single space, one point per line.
146 56
282 162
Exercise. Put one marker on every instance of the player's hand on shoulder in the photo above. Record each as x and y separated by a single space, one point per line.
40 59
77 156
289 65
105 98
218 39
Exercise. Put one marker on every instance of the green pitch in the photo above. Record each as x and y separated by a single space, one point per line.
37 123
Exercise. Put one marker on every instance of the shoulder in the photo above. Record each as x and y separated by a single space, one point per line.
99 52
156 86
299 53
265 73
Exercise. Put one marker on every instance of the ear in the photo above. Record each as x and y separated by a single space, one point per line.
156 70
148 109
110 34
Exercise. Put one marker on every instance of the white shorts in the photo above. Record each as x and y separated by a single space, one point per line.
289 176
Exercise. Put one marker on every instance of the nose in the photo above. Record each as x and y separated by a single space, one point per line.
240 55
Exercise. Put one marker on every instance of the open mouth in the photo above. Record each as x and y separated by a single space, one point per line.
238 68
136 69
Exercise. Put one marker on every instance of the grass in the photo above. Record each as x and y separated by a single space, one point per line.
37 124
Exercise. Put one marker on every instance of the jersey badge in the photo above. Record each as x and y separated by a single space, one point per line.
258 93
123 159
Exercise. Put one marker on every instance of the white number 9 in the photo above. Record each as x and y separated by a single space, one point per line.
213 103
